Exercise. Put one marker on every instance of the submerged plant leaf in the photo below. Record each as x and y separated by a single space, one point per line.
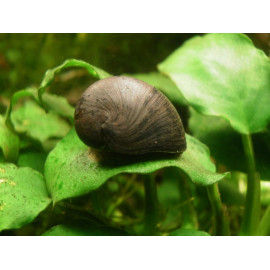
72 169
74 63
23 195
38 125
9 142
224 75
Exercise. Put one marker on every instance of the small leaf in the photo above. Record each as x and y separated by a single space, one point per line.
9 142
72 169
224 75
188 232
38 125
76 230
23 195
164 84
50 74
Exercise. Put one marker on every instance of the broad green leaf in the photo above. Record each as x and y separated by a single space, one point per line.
32 158
9 142
31 120
188 232
70 63
164 84
226 145
224 75
90 230
23 195
72 169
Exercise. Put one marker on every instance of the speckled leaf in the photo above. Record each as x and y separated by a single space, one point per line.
164 84
70 63
188 232
9 142
23 195
72 169
90 230
224 75
38 125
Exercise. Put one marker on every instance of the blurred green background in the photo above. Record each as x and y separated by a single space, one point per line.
24 58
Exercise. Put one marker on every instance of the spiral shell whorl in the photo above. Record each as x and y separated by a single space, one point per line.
128 116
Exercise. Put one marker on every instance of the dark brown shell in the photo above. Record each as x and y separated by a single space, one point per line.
128 116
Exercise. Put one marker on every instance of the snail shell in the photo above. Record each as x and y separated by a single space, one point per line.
128 116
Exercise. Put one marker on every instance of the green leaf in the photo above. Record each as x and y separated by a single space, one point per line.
50 74
31 120
224 75
188 232
23 195
32 158
72 169
90 230
164 84
9 142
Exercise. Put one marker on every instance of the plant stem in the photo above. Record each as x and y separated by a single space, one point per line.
264 226
252 205
151 205
221 219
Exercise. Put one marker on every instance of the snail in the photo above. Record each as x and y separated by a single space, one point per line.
128 116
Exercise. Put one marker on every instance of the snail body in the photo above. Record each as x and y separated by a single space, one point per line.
128 116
